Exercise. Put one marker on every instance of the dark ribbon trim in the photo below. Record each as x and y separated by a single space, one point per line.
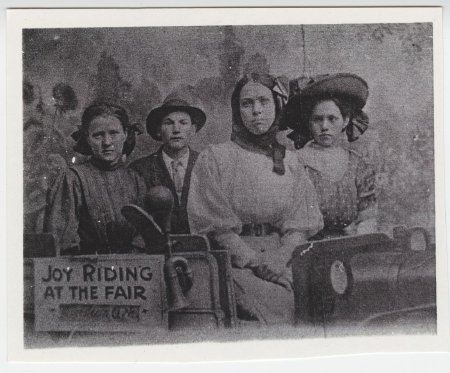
258 144
357 126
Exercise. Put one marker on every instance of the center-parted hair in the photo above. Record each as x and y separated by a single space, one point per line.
265 143
98 110
266 80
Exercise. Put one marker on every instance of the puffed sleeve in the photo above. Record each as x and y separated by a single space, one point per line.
304 219
209 210
62 210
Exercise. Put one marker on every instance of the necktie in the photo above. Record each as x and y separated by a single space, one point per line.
177 175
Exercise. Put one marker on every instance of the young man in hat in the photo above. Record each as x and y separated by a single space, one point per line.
173 124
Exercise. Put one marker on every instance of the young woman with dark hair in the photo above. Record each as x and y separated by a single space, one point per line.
84 206
251 197
323 110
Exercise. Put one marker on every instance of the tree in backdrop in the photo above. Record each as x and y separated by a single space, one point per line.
406 162
45 152
107 82
230 58
215 91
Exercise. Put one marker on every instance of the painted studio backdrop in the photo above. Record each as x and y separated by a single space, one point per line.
66 69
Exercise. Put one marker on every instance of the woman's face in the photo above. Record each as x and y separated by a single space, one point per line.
257 108
106 138
326 123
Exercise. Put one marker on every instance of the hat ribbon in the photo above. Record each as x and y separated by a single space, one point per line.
357 126
281 91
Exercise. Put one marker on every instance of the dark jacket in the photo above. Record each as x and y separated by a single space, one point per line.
154 172
84 209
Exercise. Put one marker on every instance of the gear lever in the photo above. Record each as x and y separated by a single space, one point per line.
159 201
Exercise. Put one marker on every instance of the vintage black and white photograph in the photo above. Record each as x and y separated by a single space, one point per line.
227 183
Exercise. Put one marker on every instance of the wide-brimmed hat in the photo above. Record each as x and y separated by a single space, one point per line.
307 90
329 85
304 90
176 101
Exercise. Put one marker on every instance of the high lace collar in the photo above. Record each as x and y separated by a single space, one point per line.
266 144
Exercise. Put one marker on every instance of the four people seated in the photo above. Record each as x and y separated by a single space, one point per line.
250 195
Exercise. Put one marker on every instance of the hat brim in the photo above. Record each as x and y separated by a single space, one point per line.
198 117
349 85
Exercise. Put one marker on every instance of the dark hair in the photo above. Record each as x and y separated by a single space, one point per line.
344 104
103 109
303 108
264 79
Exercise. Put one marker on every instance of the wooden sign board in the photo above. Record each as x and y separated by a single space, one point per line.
101 293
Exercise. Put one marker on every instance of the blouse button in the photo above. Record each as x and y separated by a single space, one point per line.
262 250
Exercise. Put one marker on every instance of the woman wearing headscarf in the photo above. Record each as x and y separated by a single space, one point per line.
84 205
251 197
323 109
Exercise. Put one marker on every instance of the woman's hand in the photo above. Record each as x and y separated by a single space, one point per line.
267 272
361 227
367 226
350 230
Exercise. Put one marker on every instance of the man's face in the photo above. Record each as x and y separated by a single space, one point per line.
176 131
106 138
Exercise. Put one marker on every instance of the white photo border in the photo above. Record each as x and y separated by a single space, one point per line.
59 18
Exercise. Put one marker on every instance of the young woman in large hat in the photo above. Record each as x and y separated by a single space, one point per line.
173 124
84 206
322 111
251 196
